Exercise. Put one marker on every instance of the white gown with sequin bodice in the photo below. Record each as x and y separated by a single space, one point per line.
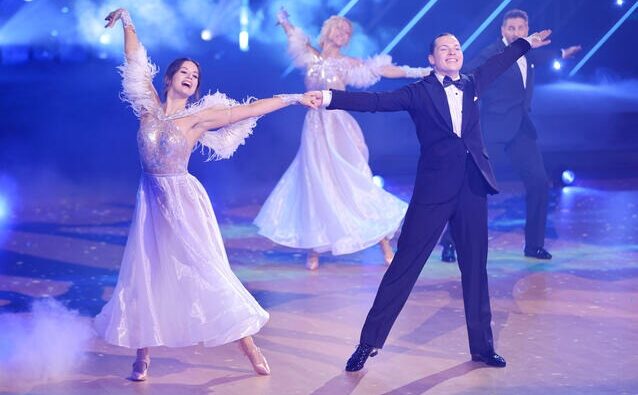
175 286
326 200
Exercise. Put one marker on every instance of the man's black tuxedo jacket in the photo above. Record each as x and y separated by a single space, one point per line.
441 167
506 105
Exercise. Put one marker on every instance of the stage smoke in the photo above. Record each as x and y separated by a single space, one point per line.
47 344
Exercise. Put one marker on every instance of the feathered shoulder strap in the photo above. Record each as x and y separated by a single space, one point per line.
367 72
221 143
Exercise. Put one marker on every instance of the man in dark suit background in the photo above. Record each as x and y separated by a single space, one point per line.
453 179
505 121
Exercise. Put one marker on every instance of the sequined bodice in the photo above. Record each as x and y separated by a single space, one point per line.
327 73
163 147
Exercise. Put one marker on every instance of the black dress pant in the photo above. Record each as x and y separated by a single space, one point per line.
525 156
467 215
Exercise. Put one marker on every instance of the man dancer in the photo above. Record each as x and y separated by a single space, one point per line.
505 120
454 177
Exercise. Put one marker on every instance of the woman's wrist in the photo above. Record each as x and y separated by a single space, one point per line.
126 19
291 98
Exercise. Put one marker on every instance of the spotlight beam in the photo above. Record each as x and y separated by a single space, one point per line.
244 11
484 25
347 7
604 39
409 26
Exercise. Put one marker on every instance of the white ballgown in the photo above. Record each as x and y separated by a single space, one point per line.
175 286
326 200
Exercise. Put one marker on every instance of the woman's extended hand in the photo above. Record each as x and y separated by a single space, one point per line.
113 17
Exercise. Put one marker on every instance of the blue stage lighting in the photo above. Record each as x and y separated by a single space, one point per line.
8 202
603 40
557 65
620 3
378 181
206 35
568 177
54 33
243 41
484 25
3 209
347 7
409 26
244 11
72 52
42 54
105 39
14 54
64 10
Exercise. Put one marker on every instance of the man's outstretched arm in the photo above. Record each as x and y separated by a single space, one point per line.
398 100
497 64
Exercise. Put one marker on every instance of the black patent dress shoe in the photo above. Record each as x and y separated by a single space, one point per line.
360 356
448 254
537 253
492 359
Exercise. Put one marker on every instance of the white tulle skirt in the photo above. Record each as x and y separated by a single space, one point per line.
326 200
175 286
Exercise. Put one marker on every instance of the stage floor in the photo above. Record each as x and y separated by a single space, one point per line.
565 326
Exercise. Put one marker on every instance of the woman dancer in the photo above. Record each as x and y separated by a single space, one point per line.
326 200
175 286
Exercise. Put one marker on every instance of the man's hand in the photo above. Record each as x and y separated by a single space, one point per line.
539 39
571 51
315 98
310 100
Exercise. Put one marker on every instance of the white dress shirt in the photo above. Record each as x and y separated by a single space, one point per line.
454 94
455 102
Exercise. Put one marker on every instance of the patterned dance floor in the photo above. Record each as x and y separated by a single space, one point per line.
565 326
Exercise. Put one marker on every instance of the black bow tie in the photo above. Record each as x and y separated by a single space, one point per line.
447 81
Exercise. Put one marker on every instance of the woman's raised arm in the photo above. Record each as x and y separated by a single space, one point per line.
131 42
137 72
298 43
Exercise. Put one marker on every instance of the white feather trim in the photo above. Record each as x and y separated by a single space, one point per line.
368 72
221 143
299 48
137 83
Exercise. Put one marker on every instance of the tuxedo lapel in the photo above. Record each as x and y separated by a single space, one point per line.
530 71
468 102
436 92
517 70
